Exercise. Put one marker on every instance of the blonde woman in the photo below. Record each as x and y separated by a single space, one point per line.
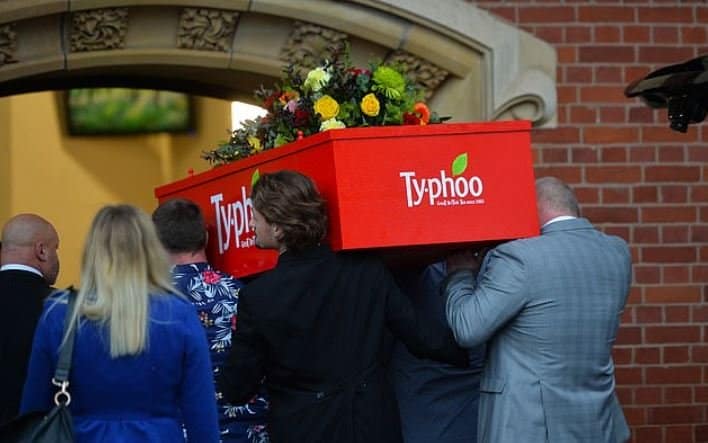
140 369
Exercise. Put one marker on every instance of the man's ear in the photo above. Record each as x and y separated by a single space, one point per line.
40 251
277 232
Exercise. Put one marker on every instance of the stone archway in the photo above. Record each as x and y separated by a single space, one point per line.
471 65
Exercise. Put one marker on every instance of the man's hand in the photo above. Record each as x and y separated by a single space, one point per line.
469 259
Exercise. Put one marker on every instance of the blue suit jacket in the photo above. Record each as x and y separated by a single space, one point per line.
548 308
437 402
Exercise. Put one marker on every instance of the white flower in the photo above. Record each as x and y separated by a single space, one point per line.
332 123
317 79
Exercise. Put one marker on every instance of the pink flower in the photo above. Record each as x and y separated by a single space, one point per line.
210 277
291 106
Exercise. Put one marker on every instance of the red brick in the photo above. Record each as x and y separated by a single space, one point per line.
703 214
699 314
645 194
675 414
618 231
648 314
672 173
604 14
701 434
607 34
555 14
672 154
700 394
558 135
674 194
678 394
668 214
567 54
553 34
567 174
699 193
583 114
602 94
587 195
613 114
624 395
699 233
662 55
677 314
615 195
567 94
635 416
694 34
621 355
604 214
645 356
613 174
699 354
635 72
674 234
672 334
698 153
610 134
699 274
665 134
673 375
665 14
641 115
578 74
676 354
583 155
642 154
648 434
672 275
555 155
606 54
647 395
636 34
679 434
614 155
665 34
628 375
645 234
672 294
577 34
628 335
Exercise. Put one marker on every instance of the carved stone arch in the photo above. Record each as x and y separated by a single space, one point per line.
472 65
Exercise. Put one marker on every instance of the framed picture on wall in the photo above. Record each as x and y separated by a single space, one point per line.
112 111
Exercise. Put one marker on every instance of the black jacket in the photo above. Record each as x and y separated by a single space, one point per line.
316 327
22 296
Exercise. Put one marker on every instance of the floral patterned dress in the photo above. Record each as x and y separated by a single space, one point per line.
215 296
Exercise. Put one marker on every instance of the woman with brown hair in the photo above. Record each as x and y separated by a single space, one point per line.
317 327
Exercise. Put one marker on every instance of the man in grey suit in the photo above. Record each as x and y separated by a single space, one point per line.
548 308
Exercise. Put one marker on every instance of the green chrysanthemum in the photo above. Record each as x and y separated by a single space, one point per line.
389 82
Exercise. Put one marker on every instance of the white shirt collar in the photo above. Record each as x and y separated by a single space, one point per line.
18 267
557 219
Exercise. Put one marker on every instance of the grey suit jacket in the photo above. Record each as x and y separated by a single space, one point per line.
548 308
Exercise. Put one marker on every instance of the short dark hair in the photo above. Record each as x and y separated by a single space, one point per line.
180 225
291 201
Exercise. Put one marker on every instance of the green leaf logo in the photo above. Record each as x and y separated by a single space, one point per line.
254 178
459 164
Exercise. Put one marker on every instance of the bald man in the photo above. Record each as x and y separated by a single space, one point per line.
29 265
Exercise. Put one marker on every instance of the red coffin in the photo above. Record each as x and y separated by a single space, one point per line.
407 189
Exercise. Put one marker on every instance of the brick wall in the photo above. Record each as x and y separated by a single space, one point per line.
638 179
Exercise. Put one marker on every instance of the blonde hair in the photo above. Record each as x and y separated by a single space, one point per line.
123 263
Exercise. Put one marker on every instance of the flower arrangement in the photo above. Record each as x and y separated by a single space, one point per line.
331 96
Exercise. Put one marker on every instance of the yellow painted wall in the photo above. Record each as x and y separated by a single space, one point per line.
67 179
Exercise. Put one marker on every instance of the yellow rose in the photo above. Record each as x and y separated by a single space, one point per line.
327 107
370 105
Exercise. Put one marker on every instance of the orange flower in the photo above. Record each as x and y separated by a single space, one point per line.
421 109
